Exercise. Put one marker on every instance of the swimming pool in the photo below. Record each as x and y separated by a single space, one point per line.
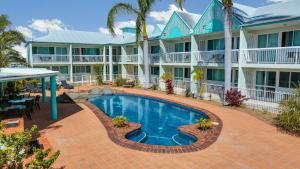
159 119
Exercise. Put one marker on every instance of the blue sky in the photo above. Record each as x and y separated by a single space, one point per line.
35 18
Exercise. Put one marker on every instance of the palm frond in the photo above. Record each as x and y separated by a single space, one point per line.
138 30
118 9
4 22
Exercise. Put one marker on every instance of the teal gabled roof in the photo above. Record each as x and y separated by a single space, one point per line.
180 24
213 19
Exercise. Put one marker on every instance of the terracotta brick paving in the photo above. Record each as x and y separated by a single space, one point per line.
245 142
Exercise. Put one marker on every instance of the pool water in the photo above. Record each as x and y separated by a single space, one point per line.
160 119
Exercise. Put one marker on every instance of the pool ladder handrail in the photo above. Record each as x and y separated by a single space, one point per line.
145 135
173 138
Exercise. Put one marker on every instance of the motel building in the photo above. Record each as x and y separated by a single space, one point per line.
265 52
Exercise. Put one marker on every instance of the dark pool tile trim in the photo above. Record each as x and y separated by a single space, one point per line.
117 135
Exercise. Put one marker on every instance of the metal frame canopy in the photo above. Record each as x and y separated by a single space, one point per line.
12 74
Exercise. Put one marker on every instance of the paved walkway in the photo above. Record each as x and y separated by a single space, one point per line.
245 142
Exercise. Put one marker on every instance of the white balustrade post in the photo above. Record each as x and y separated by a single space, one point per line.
110 63
71 63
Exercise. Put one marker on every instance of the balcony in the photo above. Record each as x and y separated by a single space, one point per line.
117 58
154 58
280 55
88 58
132 58
50 58
214 57
177 57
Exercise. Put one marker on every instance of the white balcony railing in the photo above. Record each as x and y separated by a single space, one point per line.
50 58
177 57
154 58
182 83
154 79
215 56
132 58
117 58
87 58
280 55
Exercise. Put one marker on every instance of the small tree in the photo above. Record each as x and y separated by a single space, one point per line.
198 77
40 161
168 79
289 117
98 70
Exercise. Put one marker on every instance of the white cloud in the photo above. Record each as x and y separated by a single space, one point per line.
122 24
25 31
277 1
45 25
22 50
164 16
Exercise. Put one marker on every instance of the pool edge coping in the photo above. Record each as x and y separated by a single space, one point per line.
118 135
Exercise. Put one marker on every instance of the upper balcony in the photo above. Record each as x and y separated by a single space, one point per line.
87 58
130 58
214 57
117 58
154 58
176 57
281 56
50 59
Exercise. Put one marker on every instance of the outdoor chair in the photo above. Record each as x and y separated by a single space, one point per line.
29 108
37 102
66 85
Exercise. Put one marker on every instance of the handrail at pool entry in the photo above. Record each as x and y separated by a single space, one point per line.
145 135
173 138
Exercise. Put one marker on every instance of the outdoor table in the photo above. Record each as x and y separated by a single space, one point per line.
18 101
20 107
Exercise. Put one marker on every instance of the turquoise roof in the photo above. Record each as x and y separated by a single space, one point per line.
183 24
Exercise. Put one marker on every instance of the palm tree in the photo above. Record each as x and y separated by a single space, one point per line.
228 39
8 39
144 7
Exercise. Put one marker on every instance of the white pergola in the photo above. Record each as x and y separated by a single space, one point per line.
13 74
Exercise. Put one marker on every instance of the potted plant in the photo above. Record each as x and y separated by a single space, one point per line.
198 78
120 121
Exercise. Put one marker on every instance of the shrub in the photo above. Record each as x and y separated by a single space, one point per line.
204 124
154 87
167 77
98 70
120 121
188 92
120 81
198 77
289 117
234 98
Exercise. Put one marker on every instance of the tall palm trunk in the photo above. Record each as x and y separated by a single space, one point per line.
228 44
146 57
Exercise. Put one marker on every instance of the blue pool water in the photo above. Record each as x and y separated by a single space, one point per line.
159 119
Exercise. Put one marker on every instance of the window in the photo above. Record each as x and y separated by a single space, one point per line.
216 44
289 79
81 69
61 69
90 51
76 51
215 74
178 73
154 49
284 79
265 78
135 70
187 46
268 40
187 73
135 51
179 47
61 51
115 69
43 50
155 70
291 38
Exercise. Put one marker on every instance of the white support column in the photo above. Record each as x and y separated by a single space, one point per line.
71 63
140 65
104 63
194 48
110 63
162 50
30 58
242 71
123 66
